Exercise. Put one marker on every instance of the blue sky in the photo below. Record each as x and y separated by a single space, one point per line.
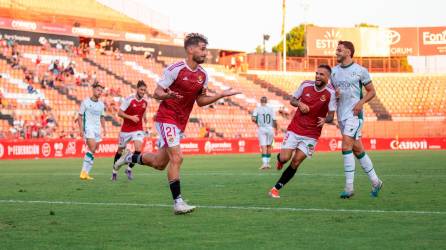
240 24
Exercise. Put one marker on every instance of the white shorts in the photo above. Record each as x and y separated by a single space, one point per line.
351 127
91 133
168 135
266 136
303 143
126 137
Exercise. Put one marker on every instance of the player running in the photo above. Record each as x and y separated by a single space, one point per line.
316 104
183 83
90 120
348 78
132 110
265 118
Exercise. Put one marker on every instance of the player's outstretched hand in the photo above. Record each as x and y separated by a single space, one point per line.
173 94
230 92
320 121
134 118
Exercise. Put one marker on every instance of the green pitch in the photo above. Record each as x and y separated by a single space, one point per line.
44 205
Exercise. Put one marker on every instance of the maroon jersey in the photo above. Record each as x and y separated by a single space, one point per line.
132 106
319 102
189 83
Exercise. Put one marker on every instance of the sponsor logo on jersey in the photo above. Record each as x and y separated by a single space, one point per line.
185 78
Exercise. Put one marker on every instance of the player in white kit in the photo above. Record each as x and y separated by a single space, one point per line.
91 119
265 118
348 78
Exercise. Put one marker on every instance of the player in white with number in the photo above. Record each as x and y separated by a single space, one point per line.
91 119
348 78
265 118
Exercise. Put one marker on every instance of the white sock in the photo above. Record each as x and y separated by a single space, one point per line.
268 159
349 170
88 162
264 160
367 165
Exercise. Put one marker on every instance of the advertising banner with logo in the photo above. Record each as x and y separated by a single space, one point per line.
369 42
42 149
432 40
34 38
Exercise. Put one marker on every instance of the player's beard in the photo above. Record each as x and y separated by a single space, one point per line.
340 59
199 59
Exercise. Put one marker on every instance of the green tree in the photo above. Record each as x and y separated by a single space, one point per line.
295 41
259 49
366 25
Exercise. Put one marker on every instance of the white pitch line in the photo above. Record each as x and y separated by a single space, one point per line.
290 209
223 174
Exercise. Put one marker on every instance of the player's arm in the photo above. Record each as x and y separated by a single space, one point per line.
295 102
328 119
80 119
104 132
254 116
371 93
81 125
204 99
123 115
275 124
161 93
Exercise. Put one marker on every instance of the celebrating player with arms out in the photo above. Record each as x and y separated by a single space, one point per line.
265 119
316 105
348 78
132 110
182 84
90 120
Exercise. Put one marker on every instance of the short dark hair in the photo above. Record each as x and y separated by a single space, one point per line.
96 85
194 39
140 84
325 66
264 99
349 45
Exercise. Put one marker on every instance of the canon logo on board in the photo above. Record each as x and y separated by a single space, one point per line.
408 145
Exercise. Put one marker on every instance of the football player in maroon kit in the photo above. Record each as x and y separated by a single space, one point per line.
316 105
183 83
132 110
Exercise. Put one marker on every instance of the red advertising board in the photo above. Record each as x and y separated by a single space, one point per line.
33 149
432 41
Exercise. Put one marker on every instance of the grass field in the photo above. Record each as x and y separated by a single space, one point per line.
44 205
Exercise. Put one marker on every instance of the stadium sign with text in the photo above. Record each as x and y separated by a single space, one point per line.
378 42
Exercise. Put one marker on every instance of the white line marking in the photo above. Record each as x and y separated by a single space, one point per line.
291 209
420 175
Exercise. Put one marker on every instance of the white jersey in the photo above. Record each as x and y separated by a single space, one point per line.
349 80
265 116
91 114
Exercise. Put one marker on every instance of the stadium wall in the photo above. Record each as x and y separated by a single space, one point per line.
66 148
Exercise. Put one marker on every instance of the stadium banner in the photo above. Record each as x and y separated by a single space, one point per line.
38 39
369 42
432 41
69 148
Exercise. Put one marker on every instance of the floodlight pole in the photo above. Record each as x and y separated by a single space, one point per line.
284 35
